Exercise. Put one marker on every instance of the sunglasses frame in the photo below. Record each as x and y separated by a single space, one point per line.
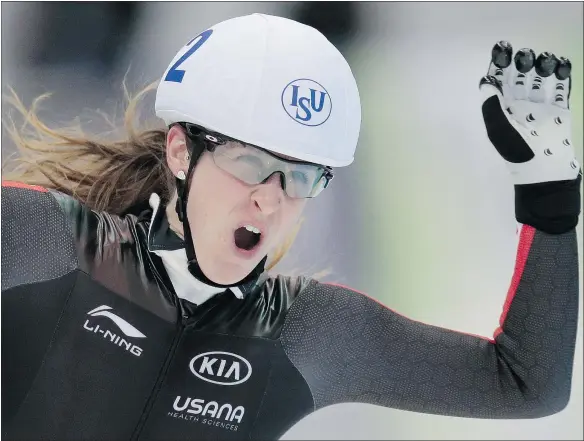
193 131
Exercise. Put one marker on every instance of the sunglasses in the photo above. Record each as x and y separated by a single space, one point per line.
255 165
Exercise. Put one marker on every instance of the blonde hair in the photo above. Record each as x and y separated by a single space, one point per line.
116 176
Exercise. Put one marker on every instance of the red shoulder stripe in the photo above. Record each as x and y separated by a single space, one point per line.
15 184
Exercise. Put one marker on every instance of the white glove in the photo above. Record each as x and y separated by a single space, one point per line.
527 114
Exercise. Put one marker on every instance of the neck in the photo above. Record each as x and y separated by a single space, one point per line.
173 221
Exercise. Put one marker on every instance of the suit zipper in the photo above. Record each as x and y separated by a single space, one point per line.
161 377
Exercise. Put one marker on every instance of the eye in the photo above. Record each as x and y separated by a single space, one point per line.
299 176
249 160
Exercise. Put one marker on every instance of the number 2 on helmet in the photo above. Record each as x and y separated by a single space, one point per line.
176 75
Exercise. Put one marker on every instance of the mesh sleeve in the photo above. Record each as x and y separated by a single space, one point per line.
350 348
37 243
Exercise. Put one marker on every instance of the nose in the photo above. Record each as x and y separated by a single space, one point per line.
269 196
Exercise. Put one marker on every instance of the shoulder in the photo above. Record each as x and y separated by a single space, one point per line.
304 288
33 204
322 302
60 223
36 238
287 286
22 197
97 229
300 294
307 288
35 210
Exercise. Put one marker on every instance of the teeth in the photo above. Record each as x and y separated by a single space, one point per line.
253 229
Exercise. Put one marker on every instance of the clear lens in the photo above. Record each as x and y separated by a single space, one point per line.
254 166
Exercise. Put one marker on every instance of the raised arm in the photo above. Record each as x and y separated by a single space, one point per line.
350 348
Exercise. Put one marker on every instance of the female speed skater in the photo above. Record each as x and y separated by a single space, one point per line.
136 301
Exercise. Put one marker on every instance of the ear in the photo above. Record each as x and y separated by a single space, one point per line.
176 150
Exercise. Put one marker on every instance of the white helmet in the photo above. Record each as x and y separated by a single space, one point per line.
270 82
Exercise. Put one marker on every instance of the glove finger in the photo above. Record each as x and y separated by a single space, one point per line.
501 57
563 83
542 87
521 74
501 60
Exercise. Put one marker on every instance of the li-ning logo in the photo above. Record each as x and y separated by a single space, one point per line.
124 326
222 368
307 102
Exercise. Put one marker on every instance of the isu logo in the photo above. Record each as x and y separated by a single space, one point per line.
307 102
222 368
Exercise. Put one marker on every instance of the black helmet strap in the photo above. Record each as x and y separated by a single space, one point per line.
196 146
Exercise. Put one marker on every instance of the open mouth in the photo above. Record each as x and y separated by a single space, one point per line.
247 237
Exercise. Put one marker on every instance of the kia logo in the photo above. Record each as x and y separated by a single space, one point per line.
307 102
222 368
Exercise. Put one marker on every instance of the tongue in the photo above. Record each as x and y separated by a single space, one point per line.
245 239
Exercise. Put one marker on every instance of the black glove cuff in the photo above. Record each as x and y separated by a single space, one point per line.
551 207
